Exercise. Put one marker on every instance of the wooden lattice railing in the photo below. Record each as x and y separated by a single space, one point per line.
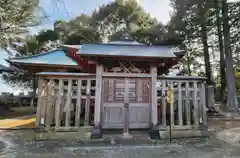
66 101
188 107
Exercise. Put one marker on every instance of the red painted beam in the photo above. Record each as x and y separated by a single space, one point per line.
86 67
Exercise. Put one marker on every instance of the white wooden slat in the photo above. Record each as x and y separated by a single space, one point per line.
43 103
172 106
187 106
87 105
78 107
203 103
68 104
195 111
39 102
180 110
49 104
58 105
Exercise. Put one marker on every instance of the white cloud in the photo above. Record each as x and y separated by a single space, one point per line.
160 9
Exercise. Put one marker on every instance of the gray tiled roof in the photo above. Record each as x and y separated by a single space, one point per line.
130 50
55 57
4 68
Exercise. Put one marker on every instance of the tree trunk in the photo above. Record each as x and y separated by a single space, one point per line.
189 71
208 70
230 76
221 50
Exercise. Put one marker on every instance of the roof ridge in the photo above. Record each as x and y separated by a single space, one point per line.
36 55
133 45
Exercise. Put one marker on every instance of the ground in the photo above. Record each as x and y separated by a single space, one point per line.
222 143
21 144
15 144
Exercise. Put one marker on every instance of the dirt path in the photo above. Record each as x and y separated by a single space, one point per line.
227 131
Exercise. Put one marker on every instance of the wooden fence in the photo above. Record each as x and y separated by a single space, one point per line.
187 110
66 101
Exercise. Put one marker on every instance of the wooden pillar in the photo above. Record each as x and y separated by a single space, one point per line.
154 95
98 96
96 132
154 132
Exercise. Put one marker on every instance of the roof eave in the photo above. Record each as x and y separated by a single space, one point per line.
20 64
180 53
125 57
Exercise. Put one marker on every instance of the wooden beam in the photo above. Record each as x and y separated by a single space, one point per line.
121 75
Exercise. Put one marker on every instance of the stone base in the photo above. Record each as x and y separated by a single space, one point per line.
127 136
96 133
154 133
40 129
184 133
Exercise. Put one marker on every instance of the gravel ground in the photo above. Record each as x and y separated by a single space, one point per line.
19 144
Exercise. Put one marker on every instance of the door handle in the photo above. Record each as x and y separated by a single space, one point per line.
126 105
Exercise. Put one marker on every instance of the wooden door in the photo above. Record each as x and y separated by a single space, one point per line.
113 102
114 97
139 103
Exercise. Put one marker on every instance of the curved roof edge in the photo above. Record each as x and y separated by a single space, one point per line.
53 57
36 55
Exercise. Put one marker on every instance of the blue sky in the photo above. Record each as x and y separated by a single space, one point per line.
67 9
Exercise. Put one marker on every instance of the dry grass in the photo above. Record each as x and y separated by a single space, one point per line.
11 123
